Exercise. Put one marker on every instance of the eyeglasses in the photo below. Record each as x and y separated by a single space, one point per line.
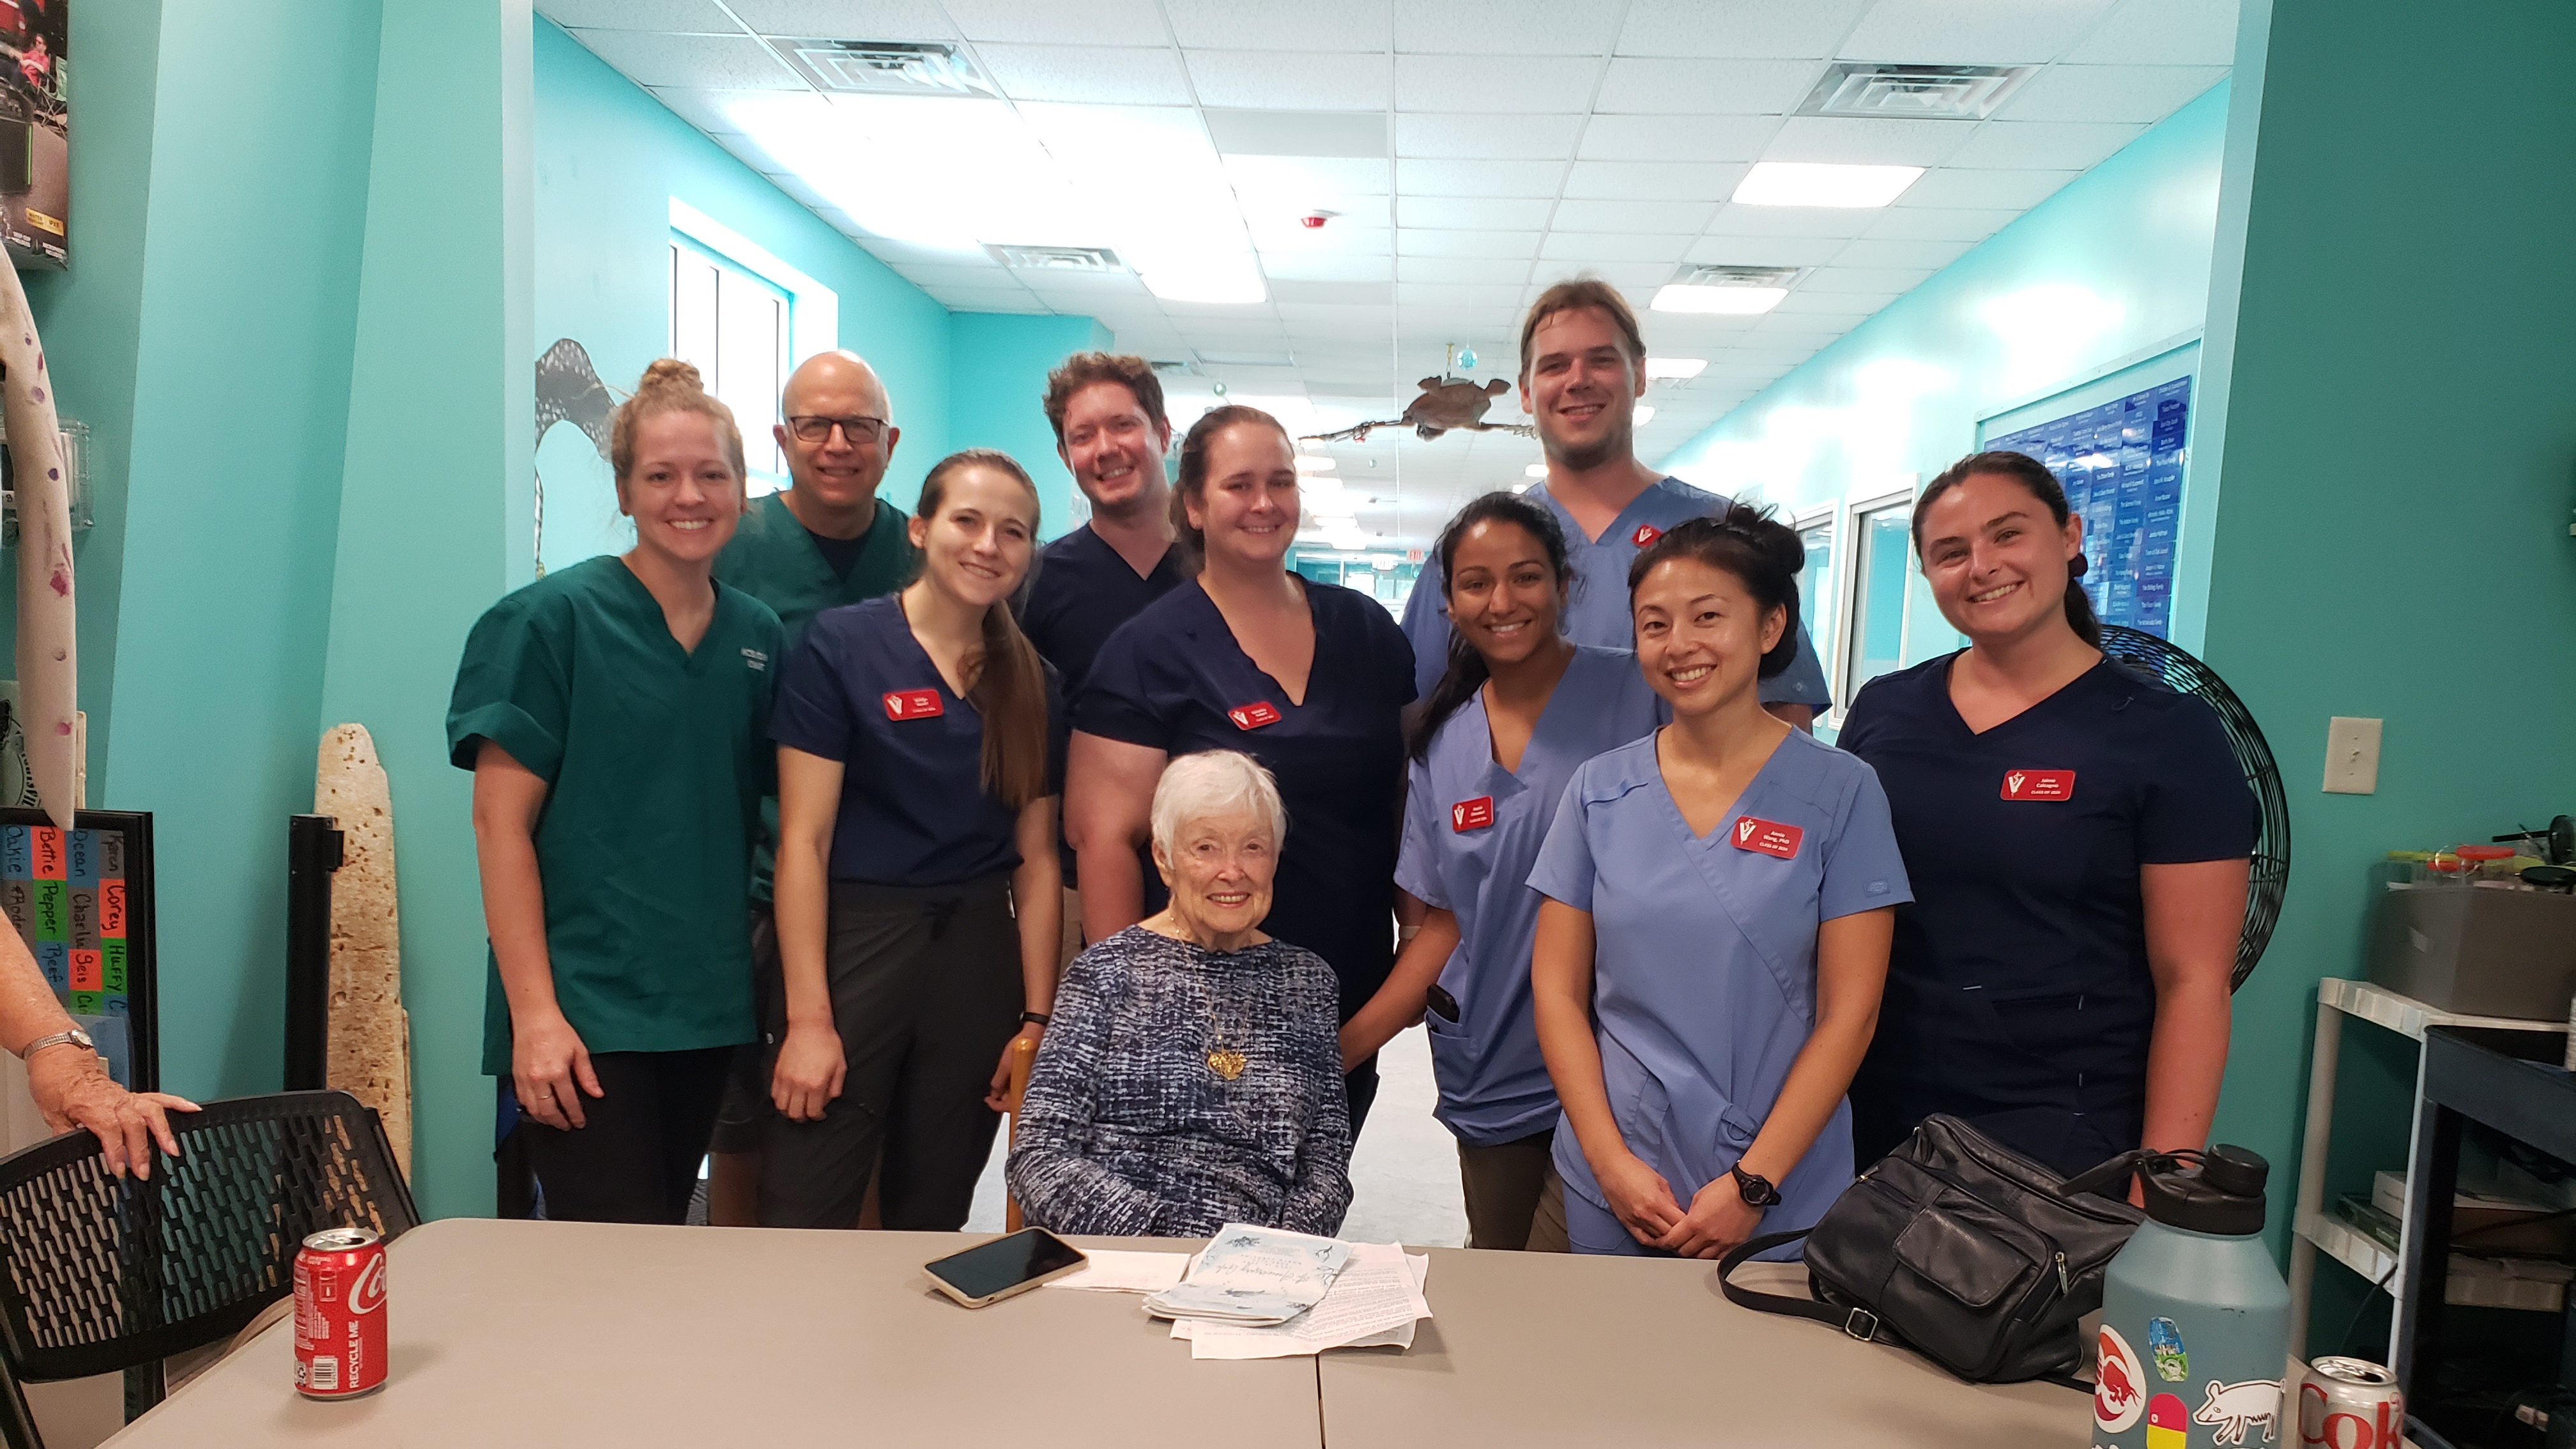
860 431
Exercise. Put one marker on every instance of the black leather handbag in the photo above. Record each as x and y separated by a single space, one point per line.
1960 1249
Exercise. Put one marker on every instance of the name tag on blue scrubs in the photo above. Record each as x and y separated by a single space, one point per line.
2039 785
1254 715
1767 836
1476 814
903 704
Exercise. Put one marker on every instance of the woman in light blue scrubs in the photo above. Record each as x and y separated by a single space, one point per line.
1720 897
1520 707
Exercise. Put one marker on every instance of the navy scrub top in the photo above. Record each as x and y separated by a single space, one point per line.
914 812
1083 591
1174 679
2018 993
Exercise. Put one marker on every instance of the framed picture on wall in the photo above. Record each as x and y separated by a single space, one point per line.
82 901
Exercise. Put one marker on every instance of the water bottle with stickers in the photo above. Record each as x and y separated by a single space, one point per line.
2195 1329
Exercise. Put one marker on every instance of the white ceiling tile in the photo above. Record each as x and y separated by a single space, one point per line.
1778 324
2042 145
1934 254
1670 138
1839 304
710 62
2142 93
1972 32
1575 246
884 19
2002 190
1647 180
2163 32
1705 87
1852 141
1526 84
1478 178
1457 294
1636 278
1874 280
1472 242
1469 211
1486 137
930 275
1809 221
988 299
1337 320
1328 267
1917 223
1094 288
1051 22
1504 27
698 17
706 110
1319 81
1796 29
1298 175
1498 271
1306 25
1764 251
1115 75
1658 216
1278 235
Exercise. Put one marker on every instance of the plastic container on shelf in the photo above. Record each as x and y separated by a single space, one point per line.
2488 865
2403 869
2444 868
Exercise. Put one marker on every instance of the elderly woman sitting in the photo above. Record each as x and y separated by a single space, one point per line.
1192 1077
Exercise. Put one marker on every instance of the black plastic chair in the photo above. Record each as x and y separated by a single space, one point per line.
101 1275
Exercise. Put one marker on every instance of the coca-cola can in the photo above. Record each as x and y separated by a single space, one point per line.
340 1314
2350 1403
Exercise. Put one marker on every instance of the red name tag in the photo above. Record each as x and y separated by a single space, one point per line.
1254 715
2039 784
1646 533
1767 837
1473 814
914 704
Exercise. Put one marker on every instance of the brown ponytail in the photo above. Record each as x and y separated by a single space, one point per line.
1006 681
2034 477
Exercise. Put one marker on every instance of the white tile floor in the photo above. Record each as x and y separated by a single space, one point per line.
1404 1175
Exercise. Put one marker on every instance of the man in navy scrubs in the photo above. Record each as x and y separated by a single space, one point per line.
825 541
1583 367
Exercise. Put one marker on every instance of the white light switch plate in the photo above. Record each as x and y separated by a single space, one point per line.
2352 756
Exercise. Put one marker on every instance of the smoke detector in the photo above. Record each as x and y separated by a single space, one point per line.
1913 92
885 67
1055 259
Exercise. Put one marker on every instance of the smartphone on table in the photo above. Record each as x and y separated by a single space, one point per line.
992 1271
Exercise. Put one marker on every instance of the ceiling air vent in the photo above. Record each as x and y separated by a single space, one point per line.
1722 276
885 67
1913 92
1056 259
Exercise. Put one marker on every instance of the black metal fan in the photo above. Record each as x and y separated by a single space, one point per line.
2164 664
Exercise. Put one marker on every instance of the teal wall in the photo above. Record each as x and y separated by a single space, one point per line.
2394 480
996 394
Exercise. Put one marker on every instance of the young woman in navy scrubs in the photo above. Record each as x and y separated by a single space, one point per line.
1310 679
917 879
1708 960
2078 841
1519 708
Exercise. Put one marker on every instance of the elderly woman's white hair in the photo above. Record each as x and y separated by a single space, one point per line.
1210 783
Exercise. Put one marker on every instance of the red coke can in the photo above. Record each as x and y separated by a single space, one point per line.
2350 1403
340 1314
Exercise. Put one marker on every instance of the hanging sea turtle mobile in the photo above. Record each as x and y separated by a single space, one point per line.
1446 404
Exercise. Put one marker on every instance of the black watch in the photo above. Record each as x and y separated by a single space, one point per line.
1754 1188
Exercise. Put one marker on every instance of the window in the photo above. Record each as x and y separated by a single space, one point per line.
1816 593
735 328
1873 640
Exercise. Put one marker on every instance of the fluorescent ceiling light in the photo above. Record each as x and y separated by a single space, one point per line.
1645 415
1315 463
1676 366
1535 470
1813 183
1724 301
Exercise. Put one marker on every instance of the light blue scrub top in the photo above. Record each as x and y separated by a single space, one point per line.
1476 862
1704 967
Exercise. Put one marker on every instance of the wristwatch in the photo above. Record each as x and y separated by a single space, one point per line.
75 1037
1754 1188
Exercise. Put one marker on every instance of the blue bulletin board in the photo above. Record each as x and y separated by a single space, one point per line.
81 900
2121 464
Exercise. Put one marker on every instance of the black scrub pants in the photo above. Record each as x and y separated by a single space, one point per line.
925 987
636 1159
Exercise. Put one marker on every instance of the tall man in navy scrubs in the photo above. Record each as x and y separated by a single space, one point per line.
1583 367
827 540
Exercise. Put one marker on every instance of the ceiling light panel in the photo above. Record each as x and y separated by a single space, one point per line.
1797 183
1636 86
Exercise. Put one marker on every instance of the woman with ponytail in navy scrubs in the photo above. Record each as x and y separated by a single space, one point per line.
2078 841
1308 678
1520 707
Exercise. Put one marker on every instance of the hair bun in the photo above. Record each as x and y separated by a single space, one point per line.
1776 541
671 372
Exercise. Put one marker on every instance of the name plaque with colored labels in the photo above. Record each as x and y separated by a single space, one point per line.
2039 785
1473 814
1254 715
81 900
903 704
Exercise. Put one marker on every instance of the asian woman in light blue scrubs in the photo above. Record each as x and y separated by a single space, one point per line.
1720 896
1519 708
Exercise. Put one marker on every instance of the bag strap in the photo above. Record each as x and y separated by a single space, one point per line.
1859 1323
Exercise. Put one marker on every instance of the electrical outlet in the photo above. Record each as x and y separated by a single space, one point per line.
2352 756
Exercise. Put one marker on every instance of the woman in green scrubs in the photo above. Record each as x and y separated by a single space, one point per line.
616 717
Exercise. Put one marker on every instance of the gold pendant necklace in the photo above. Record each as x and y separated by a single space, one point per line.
1226 1063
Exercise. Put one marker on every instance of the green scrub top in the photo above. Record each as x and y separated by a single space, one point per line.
774 559
655 762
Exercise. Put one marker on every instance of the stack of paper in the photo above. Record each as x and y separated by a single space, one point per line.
1253 1276
1374 1302
1111 1271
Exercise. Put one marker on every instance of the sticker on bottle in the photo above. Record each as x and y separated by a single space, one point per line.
2168 1422
1254 715
1768 837
2039 785
2234 1411
2164 1344
904 704
1473 814
1645 535
2118 1399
